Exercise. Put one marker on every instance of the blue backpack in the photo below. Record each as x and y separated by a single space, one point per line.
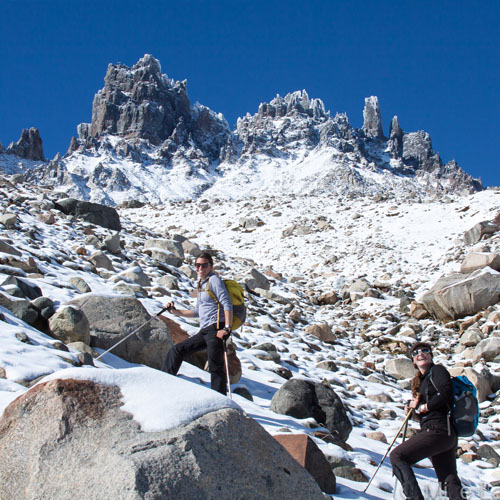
464 410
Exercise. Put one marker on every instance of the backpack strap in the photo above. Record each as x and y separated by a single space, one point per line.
214 298
448 415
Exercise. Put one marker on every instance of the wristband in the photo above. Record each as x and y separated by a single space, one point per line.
228 329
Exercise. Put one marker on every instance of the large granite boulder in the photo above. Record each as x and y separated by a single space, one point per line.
97 214
458 295
113 317
70 439
479 260
304 399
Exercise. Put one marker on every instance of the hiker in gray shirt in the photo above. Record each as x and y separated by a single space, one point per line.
216 318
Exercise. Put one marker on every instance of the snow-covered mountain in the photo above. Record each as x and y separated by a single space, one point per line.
147 142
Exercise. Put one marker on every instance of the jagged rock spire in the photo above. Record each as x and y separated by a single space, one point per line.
372 119
28 146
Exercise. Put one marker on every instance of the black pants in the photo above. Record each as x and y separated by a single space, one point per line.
207 339
441 449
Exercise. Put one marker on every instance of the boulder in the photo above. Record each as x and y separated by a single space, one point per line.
136 275
323 331
309 456
488 349
8 220
113 243
113 317
480 230
257 280
21 308
100 215
101 261
418 311
328 298
69 324
172 246
478 260
191 248
80 284
29 290
304 399
48 434
400 368
457 295
6 248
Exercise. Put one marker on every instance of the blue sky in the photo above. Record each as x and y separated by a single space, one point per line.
435 64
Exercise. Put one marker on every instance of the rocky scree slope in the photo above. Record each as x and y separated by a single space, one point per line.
329 315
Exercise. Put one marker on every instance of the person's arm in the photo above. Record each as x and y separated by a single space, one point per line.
220 291
441 381
187 313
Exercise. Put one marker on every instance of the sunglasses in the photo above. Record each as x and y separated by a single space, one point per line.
422 350
203 265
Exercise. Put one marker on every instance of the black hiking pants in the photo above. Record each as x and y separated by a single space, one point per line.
441 449
207 339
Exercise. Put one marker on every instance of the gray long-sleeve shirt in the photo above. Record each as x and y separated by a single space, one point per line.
206 308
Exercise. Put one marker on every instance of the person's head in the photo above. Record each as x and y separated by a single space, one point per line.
204 265
421 355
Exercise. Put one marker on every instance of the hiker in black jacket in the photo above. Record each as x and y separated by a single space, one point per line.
436 440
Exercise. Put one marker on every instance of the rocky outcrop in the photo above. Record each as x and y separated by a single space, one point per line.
29 145
48 434
303 399
372 119
112 318
142 103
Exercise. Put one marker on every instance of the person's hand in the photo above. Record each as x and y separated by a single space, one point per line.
170 306
411 404
423 408
222 334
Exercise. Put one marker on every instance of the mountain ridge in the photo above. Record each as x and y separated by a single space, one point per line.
147 142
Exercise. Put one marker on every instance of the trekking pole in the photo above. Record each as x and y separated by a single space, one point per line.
227 371
390 446
132 333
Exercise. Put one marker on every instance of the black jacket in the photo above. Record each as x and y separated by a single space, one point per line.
438 395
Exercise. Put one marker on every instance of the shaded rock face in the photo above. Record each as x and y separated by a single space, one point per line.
111 318
303 399
94 213
142 103
29 145
70 439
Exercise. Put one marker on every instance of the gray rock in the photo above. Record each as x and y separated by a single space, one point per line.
136 275
258 280
113 317
400 368
477 260
112 243
29 145
101 261
67 421
21 308
458 295
8 220
191 248
488 349
372 118
304 399
6 248
80 284
172 246
45 305
478 232
69 324
169 282
100 215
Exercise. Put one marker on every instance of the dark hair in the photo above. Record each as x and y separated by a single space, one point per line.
206 256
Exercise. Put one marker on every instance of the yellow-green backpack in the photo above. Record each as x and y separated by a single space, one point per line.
237 296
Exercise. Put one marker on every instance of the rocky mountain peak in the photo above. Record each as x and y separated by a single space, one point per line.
29 145
372 119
